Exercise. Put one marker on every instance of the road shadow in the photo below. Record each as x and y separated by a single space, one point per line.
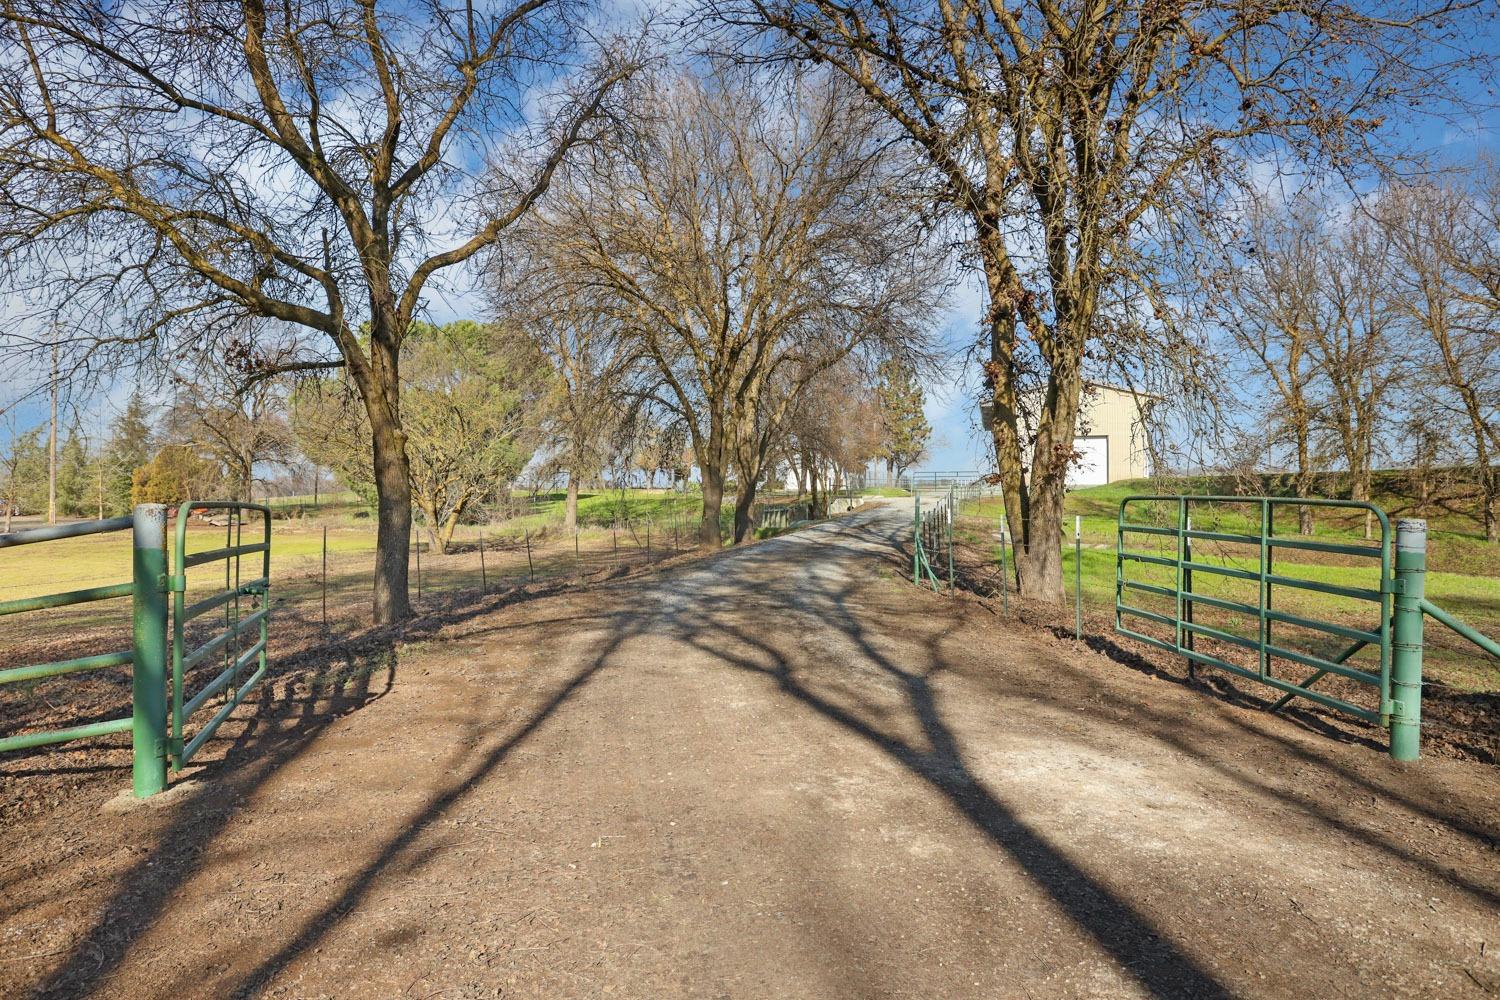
275 725
705 607
713 623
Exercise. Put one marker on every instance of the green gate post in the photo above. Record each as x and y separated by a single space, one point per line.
149 648
1078 577
950 540
1406 639
1187 589
916 536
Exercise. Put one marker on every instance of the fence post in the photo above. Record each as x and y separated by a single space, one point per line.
1187 591
1078 577
325 578
916 537
148 645
1406 639
484 579
530 569
950 540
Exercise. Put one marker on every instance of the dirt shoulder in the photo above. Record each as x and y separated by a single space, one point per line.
784 772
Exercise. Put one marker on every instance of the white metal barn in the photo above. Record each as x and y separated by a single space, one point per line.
1111 437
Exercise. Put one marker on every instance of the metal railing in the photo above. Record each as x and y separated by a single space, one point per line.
228 643
56 668
932 534
781 515
1396 603
150 651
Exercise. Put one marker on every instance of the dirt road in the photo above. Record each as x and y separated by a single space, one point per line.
783 772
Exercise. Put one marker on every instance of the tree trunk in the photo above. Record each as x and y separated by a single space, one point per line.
450 525
713 498
430 525
744 499
1039 562
1034 497
379 385
1302 482
570 506
1360 490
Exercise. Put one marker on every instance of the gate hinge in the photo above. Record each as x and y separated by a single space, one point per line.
1394 585
177 582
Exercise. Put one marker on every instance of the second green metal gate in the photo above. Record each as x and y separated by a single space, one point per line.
1393 607
229 642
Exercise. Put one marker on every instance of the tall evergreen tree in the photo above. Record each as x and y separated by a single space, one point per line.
128 448
74 474
904 424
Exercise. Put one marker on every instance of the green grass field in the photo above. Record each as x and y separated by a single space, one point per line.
613 525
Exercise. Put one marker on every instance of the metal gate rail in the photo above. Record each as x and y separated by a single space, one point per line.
227 642
56 668
1398 602
157 730
1266 616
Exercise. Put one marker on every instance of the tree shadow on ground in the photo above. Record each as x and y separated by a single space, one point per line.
1226 701
276 724
938 759
705 608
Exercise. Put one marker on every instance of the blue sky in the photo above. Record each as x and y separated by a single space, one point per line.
957 442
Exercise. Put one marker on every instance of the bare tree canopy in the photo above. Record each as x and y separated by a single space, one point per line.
170 168
1444 240
1080 143
744 237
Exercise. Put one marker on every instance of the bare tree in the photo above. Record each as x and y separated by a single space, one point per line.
835 426
1445 243
1080 143
588 362
316 163
241 425
1269 299
1353 347
744 238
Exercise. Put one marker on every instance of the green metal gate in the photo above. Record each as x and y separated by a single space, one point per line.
229 641
932 532
1395 604
150 650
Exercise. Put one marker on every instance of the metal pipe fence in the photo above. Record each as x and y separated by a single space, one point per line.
1222 579
1396 601
154 576
56 668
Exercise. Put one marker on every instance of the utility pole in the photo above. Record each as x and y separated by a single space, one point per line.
52 442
